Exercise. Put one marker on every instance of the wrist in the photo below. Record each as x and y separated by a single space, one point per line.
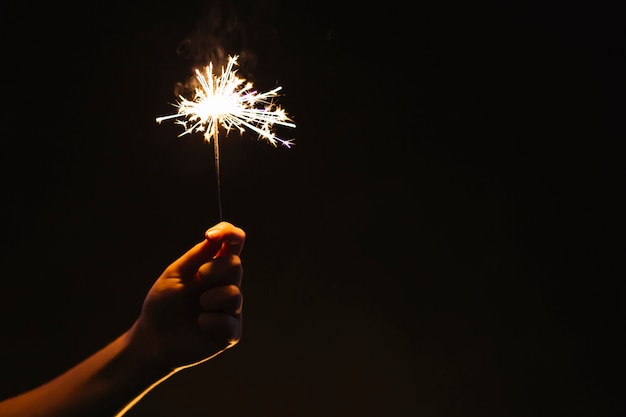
141 353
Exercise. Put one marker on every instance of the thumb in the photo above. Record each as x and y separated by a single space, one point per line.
188 264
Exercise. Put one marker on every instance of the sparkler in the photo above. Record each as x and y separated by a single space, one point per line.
229 101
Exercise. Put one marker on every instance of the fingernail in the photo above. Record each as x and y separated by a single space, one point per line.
213 234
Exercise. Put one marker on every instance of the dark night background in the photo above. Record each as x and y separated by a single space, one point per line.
443 240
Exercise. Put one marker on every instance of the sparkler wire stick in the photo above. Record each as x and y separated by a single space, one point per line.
216 151
231 102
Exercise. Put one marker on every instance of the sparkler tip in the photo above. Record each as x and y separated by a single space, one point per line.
229 101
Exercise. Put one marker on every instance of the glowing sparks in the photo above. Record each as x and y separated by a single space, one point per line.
230 101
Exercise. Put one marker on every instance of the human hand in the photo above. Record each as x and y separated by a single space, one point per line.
194 309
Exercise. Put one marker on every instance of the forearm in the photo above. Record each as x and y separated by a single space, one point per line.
101 385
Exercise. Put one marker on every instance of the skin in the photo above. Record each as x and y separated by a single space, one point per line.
191 314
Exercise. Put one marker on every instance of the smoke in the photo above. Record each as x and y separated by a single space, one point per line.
226 28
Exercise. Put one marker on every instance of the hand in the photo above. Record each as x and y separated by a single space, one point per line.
191 314
194 309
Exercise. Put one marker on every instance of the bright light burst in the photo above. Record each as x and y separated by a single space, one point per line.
231 102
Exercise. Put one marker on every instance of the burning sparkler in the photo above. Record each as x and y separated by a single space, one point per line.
229 101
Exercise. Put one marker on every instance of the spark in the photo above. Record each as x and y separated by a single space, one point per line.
231 102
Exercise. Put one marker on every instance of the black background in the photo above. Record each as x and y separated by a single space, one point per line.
443 240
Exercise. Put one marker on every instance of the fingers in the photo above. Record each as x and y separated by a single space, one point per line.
223 238
225 270
226 299
221 302
225 330
231 238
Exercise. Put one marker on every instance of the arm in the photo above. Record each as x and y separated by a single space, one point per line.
191 314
